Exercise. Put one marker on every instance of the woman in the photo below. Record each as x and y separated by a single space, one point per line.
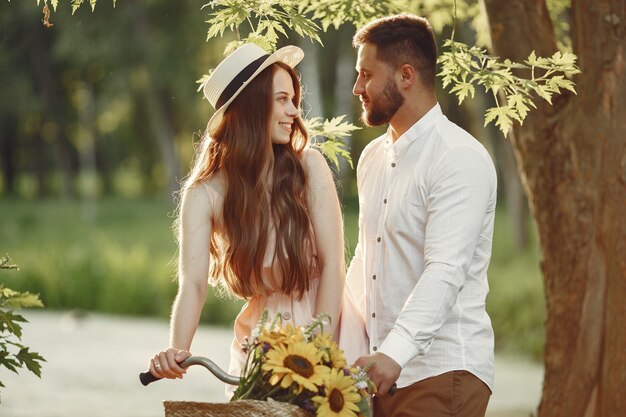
259 213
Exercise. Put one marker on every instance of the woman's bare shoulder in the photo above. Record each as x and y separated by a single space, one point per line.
313 160
206 194
214 184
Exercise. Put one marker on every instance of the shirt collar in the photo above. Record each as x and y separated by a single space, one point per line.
415 131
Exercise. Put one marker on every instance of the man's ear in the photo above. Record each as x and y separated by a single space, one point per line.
408 76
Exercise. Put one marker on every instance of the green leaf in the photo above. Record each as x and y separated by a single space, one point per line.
9 363
518 102
462 90
544 92
333 130
364 407
9 323
24 299
305 28
557 82
31 360
565 60
333 149
502 116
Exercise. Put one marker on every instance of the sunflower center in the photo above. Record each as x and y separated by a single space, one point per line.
299 365
335 400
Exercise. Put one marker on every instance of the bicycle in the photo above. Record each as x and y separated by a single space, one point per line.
239 408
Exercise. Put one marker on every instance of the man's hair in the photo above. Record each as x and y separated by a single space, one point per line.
402 39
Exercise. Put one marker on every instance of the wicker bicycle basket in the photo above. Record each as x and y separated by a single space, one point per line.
243 408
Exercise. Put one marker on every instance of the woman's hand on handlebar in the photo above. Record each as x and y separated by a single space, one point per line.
165 363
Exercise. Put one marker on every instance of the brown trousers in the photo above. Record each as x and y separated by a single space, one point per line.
453 394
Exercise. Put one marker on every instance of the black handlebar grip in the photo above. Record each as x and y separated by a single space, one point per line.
147 378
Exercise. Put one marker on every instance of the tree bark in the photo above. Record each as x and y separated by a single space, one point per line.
572 160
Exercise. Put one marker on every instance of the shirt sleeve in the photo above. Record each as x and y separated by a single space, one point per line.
461 190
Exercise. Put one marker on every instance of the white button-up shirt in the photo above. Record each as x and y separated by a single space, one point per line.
426 211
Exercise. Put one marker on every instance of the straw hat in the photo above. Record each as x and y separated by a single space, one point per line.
234 73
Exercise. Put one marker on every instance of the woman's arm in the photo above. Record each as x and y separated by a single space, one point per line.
193 266
325 212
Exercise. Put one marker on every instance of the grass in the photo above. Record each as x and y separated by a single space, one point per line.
117 256
516 301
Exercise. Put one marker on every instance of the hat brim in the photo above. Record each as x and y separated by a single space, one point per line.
290 55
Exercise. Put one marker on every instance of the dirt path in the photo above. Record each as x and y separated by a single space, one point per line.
93 364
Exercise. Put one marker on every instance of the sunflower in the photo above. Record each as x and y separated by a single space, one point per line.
331 352
286 336
296 362
340 399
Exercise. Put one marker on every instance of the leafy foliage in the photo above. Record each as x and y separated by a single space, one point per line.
75 4
266 20
358 12
14 355
464 67
333 130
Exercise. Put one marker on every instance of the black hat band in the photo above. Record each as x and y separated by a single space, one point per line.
238 81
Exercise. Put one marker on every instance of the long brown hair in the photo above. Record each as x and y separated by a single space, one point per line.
241 148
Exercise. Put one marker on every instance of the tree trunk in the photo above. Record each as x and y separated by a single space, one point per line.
54 122
8 154
164 135
159 118
86 109
572 159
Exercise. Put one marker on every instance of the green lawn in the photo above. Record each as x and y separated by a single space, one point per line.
119 257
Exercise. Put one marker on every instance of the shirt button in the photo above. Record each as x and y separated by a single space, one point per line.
373 315
393 165
385 201
378 239
287 316
373 276
374 348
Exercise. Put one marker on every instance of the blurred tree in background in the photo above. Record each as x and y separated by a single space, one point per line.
98 103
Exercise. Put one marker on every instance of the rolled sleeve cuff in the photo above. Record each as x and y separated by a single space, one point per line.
398 348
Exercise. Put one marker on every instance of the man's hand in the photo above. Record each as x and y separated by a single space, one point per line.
384 371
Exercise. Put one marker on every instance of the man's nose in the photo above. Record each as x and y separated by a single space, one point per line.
358 89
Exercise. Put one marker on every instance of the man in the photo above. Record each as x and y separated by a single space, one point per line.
427 197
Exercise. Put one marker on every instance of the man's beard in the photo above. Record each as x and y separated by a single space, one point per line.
381 110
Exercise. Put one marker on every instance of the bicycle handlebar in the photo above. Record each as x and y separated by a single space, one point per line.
147 378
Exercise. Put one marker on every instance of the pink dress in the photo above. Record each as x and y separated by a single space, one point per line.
351 327
350 331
